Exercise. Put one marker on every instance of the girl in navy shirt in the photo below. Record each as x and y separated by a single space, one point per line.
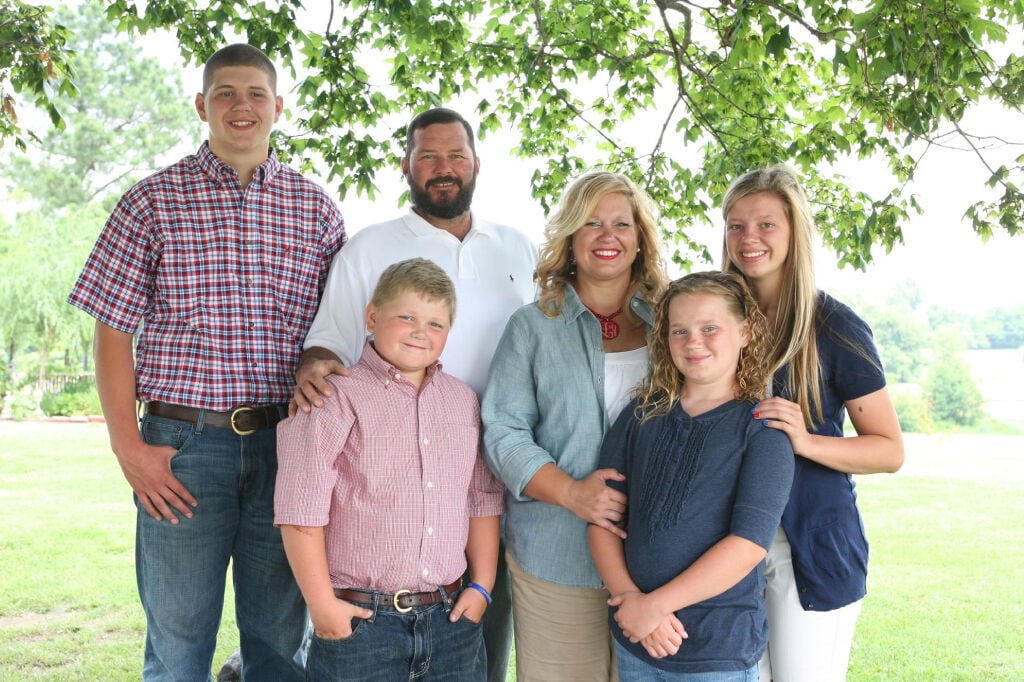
706 487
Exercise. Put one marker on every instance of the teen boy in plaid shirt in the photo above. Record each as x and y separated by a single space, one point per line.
221 258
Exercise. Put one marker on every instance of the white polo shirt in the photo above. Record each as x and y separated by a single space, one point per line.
492 269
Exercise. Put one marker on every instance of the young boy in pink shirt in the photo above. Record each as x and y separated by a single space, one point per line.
382 500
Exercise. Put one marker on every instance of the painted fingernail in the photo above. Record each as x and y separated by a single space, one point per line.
757 415
765 422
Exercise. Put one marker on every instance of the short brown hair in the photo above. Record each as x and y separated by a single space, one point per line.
239 54
420 276
429 118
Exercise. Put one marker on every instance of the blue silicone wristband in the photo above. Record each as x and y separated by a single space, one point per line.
482 590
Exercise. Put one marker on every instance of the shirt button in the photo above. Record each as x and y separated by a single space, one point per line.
426 441
425 573
398 376
430 531
430 484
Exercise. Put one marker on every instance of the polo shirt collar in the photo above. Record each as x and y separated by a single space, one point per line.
421 228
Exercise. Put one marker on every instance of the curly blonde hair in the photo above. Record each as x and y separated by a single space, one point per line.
664 383
556 268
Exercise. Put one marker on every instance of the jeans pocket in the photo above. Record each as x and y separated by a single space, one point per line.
169 432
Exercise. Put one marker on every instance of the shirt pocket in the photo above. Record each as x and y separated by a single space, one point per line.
294 271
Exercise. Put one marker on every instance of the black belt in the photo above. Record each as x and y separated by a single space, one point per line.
402 601
242 420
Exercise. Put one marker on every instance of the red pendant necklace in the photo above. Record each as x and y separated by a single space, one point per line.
609 327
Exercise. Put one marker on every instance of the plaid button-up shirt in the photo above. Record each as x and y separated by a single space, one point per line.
224 281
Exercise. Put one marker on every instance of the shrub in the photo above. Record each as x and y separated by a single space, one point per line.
952 392
913 413
78 398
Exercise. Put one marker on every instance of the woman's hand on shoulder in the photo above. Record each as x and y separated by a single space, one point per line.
595 502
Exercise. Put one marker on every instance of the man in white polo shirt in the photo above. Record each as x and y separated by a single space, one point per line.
491 265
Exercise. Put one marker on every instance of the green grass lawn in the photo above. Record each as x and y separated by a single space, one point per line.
946 590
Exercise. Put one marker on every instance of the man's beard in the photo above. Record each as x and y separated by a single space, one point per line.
446 208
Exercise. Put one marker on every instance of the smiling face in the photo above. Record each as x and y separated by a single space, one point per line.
241 109
606 245
705 339
409 332
441 170
757 238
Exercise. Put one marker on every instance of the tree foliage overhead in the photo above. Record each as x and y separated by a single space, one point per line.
33 64
129 109
679 94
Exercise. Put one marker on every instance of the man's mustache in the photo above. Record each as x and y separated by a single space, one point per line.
438 181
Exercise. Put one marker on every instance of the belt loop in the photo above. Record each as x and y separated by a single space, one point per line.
449 599
200 422
376 605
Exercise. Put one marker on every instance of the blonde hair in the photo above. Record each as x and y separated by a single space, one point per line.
417 275
664 383
793 339
556 268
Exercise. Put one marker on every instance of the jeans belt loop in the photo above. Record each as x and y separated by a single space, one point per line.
200 422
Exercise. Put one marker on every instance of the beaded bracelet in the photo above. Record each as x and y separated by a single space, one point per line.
482 590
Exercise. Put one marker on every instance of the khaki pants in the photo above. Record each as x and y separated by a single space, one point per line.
561 633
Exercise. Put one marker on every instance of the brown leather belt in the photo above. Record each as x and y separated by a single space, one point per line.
242 420
402 601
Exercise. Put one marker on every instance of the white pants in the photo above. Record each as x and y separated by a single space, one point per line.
803 646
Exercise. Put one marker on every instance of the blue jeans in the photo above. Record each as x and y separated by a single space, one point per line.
633 669
181 569
419 645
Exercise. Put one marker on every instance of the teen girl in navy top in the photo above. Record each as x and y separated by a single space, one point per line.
825 366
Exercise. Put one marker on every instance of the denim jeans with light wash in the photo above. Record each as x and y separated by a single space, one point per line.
181 569
421 644
633 669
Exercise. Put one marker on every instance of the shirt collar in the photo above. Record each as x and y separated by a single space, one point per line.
386 373
572 306
217 170
421 228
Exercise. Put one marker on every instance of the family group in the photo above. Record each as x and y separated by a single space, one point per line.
419 444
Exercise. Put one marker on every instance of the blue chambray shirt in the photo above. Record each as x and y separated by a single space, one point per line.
544 402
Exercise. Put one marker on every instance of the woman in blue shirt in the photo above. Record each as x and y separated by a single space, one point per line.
562 371
825 366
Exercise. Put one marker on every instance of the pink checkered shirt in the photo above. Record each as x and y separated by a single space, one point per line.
394 475
225 281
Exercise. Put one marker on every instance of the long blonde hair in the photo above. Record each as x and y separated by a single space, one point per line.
556 268
665 382
793 338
